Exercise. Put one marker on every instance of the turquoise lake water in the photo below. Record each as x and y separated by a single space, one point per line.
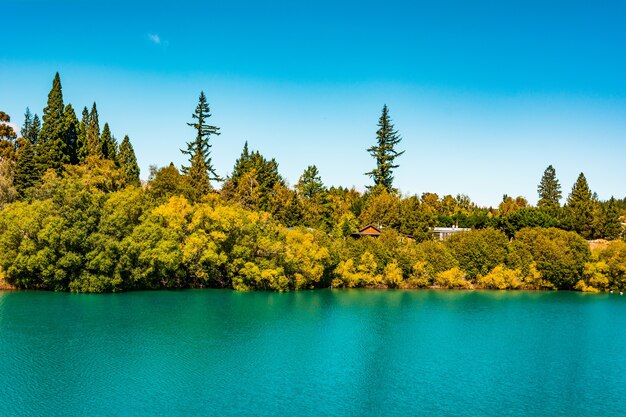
318 353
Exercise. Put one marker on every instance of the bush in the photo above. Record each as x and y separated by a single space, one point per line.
452 278
560 256
500 278
479 251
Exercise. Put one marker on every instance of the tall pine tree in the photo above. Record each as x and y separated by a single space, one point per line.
384 152
26 170
108 144
200 170
82 147
549 190
71 129
94 147
51 147
580 208
127 161
612 224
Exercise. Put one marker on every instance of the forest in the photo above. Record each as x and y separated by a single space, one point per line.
75 216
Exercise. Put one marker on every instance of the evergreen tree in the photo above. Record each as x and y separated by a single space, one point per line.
71 128
28 124
94 147
52 151
580 208
26 170
549 190
310 183
82 148
200 170
35 130
384 151
108 143
127 161
612 224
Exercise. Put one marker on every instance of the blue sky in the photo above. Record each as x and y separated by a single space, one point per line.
485 96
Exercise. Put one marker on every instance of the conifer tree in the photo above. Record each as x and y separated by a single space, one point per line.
580 208
384 151
549 190
27 127
612 225
310 183
127 161
35 129
70 130
108 144
200 170
82 148
26 170
94 147
52 152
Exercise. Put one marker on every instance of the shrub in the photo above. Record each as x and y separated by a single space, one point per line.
452 278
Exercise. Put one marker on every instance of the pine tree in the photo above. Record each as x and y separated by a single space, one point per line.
26 170
94 147
384 151
612 224
71 129
82 148
200 170
35 130
52 152
549 190
108 144
580 208
127 161
27 127
310 183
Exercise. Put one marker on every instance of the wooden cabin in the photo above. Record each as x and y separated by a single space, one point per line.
368 230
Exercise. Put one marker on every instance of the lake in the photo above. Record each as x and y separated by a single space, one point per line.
326 352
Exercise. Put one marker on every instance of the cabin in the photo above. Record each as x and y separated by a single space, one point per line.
368 230
443 233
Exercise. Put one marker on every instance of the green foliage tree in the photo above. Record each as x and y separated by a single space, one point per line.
82 144
26 170
559 256
7 138
549 190
310 184
70 133
200 170
94 146
31 127
52 149
384 152
479 251
127 162
611 222
580 207
108 144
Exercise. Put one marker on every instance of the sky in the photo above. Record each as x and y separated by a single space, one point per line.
485 94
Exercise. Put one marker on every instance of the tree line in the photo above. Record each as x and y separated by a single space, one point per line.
75 217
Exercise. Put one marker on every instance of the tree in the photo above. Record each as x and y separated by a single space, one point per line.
549 190
127 161
580 208
7 138
70 133
108 144
611 225
384 151
26 173
94 147
82 146
200 170
52 149
310 183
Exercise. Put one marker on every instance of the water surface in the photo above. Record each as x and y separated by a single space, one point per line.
354 353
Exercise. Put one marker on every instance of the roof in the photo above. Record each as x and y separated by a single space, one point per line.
450 229
368 230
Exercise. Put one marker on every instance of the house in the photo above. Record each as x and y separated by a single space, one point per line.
368 230
443 233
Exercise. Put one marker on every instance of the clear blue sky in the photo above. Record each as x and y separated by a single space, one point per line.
485 95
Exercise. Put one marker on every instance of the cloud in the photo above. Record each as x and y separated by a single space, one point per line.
154 38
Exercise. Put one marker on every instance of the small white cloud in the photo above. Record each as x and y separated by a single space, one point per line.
154 38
